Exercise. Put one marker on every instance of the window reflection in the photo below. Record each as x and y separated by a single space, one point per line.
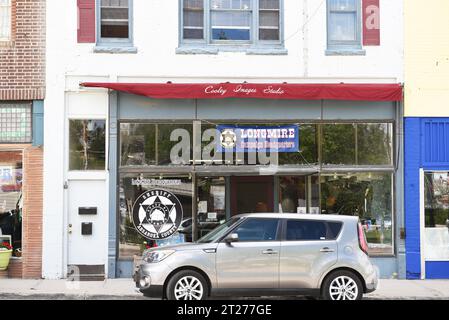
11 200
131 242
87 145
211 206
367 195
299 194
436 235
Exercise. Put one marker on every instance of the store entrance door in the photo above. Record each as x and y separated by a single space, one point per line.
252 194
435 250
87 230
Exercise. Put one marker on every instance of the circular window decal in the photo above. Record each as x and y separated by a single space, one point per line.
157 214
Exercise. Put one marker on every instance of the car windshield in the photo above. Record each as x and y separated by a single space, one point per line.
218 232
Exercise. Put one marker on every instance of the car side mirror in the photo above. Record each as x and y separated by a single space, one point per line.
233 237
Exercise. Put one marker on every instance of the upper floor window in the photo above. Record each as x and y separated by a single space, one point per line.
5 20
237 22
343 24
114 21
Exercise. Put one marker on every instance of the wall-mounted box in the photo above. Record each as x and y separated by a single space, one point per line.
86 228
83 211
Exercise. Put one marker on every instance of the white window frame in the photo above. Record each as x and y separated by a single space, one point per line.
350 44
232 45
8 6
123 42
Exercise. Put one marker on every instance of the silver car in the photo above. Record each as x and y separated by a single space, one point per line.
264 254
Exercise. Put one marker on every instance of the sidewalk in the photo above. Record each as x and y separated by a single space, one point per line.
124 289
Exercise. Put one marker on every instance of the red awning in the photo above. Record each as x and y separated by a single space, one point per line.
357 92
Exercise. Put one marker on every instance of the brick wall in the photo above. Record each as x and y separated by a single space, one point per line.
32 221
30 265
22 60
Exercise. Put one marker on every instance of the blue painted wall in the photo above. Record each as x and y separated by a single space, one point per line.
437 270
426 145
412 151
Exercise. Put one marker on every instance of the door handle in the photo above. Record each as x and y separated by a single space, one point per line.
326 250
269 251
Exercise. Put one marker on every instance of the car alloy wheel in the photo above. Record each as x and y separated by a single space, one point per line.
343 288
188 288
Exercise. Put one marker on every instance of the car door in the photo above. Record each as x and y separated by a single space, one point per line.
253 261
307 251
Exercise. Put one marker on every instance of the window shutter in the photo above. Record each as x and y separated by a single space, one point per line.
371 22
86 21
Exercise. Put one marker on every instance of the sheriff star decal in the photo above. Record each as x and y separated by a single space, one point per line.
157 214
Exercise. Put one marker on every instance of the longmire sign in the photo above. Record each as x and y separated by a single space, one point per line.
343 91
256 138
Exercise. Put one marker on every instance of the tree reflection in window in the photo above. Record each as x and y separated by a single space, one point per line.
87 144
367 195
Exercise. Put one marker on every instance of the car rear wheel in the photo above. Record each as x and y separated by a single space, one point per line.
187 285
342 285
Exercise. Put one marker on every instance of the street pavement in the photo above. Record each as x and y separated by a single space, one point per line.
124 289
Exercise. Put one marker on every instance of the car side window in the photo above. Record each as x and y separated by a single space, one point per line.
257 230
334 229
306 230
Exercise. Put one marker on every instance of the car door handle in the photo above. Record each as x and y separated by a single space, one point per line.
269 251
326 249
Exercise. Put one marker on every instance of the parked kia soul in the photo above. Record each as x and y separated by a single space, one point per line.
264 255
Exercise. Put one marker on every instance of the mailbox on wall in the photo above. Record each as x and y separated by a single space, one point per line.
86 228
82 211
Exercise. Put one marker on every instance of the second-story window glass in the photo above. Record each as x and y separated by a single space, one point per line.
343 22
250 23
193 15
5 20
269 17
231 20
114 19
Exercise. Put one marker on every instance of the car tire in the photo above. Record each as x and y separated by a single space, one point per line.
187 285
342 285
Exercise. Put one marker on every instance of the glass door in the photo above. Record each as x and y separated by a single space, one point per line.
252 195
299 194
436 216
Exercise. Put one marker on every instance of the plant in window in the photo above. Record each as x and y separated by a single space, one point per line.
5 255
5 246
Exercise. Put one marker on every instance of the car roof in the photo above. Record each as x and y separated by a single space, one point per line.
323 217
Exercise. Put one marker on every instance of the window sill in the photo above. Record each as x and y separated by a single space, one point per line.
267 51
216 50
115 49
345 52
196 50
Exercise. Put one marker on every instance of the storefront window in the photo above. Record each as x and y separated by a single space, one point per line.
299 194
304 151
211 203
11 200
87 145
156 144
367 195
358 144
339 144
321 191
374 143
436 235
131 187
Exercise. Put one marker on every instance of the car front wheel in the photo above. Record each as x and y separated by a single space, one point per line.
342 285
187 285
